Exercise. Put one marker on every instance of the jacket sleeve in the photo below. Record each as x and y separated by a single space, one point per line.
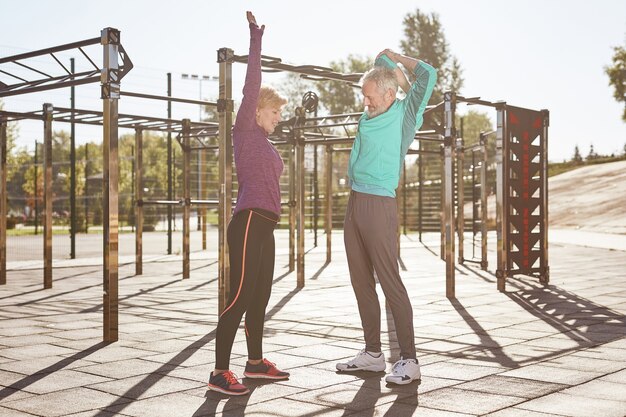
416 101
246 116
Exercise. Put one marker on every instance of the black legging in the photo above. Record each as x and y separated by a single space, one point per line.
251 245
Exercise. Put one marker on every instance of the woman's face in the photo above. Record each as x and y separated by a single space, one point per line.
268 117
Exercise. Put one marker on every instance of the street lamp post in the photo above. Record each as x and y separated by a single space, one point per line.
200 78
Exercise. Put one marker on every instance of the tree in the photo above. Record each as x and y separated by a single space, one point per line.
470 126
474 122
293 89
338 97
12 162
577 159
592 153
424 39
617 76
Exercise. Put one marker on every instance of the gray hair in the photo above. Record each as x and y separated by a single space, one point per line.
385 78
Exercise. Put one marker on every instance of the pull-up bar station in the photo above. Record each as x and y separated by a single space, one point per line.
109 74
521 172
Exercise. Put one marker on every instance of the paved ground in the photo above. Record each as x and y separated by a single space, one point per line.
533 351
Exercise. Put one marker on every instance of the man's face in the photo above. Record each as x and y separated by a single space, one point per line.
375 99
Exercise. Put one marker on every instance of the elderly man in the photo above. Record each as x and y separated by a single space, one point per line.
386 130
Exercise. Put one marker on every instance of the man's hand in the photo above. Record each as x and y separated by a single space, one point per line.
390 54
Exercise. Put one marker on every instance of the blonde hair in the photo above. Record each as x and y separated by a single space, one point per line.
269 97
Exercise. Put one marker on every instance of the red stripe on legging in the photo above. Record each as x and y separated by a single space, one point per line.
243 265
265 217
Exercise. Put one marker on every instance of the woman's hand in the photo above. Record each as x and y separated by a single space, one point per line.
252 19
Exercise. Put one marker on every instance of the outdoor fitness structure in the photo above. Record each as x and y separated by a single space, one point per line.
521 172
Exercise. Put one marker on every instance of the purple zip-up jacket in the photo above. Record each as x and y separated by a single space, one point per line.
257 162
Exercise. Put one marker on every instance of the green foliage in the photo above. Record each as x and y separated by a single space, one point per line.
13 154
592 154
473 124
577 158
28 176
293 89
425 40
556 168
338 97
617 76
593 158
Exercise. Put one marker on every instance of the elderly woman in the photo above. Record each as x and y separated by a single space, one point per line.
251 231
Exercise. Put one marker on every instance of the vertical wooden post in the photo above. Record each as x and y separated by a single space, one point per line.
138 202
186 196
225 110
110 39
3 201
47 195
501 191
448 208
328 224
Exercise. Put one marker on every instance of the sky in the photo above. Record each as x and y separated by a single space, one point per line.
539 54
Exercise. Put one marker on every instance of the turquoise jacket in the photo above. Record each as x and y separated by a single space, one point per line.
382 142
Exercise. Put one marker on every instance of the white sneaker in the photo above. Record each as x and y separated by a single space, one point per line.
404 372
364 361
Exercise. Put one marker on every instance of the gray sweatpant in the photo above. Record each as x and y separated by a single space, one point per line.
370 236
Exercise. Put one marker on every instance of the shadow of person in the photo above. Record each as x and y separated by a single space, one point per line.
406 401
28 380
365 399
234 405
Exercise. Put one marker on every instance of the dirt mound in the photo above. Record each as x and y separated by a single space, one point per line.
591 198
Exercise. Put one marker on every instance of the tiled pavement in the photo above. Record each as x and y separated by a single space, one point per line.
533 351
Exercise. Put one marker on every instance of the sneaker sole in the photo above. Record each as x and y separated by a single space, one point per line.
419 381
223 391
264 376
372 368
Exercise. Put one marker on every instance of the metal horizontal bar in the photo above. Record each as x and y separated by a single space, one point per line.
332 141
32 69
206 202
473 148
347 124
203 148
335 116
477 100
422 152
161 202
166 98
430 109
14 76
15 116
316 135
311 70
35 86
47 51
422 136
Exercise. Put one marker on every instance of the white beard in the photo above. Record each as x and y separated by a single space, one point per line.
371 115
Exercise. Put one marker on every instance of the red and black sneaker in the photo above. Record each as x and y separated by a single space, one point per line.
264 370
227 383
